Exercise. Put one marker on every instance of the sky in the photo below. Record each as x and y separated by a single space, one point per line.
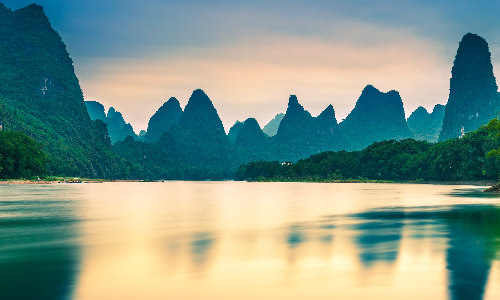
250 56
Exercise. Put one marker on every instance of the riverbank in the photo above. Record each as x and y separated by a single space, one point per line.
52 181
75 180
363 180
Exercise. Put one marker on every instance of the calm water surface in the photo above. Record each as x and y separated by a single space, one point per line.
237 240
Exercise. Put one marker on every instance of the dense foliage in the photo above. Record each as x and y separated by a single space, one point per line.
40 96
476 156
20 156
167 160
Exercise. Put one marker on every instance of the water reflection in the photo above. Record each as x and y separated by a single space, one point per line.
39 258
326 238
200 247
473 233
378 240
295 236
222 240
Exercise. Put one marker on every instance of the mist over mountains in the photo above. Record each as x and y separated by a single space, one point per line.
40 95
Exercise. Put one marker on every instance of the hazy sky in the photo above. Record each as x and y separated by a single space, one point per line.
249 56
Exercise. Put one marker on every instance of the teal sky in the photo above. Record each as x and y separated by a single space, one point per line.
249 56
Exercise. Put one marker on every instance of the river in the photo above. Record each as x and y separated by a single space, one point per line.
239 240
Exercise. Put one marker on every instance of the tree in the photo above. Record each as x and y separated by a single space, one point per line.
21 156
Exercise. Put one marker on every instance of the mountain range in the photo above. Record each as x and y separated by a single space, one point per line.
40 95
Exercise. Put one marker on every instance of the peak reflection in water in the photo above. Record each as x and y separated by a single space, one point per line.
235 240
201 245
378 240
473 232
38 256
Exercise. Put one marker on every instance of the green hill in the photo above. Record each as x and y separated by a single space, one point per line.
40 96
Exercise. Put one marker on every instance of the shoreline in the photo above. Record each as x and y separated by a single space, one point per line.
455 182
15 182
466 182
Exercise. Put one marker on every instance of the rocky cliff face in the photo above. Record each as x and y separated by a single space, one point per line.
376 117
473 99
167 116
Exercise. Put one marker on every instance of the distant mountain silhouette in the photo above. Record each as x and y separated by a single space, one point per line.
233 131
295 136
250 135
271 129
329 136
96 110
473 99
376 117
301 135
425 126
167 116
296 123
201 138
252 144
117 127
418 119
200 118
142 135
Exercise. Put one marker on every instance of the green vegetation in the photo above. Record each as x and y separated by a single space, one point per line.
21 156
476 156
166 160
40 96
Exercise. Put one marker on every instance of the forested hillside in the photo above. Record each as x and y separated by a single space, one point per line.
475 156
40 96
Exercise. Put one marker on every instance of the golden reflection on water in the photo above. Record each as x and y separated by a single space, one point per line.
237 240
